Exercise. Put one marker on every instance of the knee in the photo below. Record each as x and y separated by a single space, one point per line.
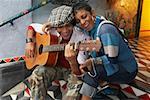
92 81
88 90
37 76
39 71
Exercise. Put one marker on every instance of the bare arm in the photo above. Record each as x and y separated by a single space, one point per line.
30 44
71 56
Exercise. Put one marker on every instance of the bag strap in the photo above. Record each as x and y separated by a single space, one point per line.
104 21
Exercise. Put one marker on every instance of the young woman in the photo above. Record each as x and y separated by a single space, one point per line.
114 62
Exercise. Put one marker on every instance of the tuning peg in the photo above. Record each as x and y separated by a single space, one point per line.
81 48
87 48
97 38
94 49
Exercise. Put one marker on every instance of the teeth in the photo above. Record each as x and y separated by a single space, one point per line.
86 25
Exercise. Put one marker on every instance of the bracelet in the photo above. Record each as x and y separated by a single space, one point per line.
97 60
28 40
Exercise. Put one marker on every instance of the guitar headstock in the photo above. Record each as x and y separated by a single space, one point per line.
90 45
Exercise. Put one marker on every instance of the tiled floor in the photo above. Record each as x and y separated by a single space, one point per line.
141 49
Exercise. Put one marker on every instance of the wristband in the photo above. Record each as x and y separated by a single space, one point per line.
28 40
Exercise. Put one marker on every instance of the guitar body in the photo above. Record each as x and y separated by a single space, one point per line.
47 47
43 58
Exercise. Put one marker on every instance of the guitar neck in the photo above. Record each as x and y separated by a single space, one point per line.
55 47
92 45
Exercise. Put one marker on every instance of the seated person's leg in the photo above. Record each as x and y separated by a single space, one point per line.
40 80
89 87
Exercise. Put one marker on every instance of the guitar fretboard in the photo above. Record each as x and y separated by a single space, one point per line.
51 48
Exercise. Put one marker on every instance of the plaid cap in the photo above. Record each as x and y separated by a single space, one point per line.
61 16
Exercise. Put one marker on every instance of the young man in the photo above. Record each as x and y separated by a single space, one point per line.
60 23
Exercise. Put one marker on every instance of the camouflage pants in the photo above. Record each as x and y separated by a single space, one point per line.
73 87
42 78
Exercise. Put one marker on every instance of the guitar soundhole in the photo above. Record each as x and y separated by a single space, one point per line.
40 49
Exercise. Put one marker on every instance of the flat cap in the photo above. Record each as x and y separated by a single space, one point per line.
61 16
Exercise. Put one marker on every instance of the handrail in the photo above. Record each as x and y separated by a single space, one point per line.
11 19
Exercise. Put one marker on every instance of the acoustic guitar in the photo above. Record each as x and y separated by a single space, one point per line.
47 47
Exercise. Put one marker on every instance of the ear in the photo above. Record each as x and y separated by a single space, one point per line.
94 13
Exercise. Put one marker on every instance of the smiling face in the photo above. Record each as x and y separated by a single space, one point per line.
85 19
65 31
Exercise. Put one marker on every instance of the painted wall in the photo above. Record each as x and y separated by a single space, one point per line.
123 13
145 19
41 15
12 38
